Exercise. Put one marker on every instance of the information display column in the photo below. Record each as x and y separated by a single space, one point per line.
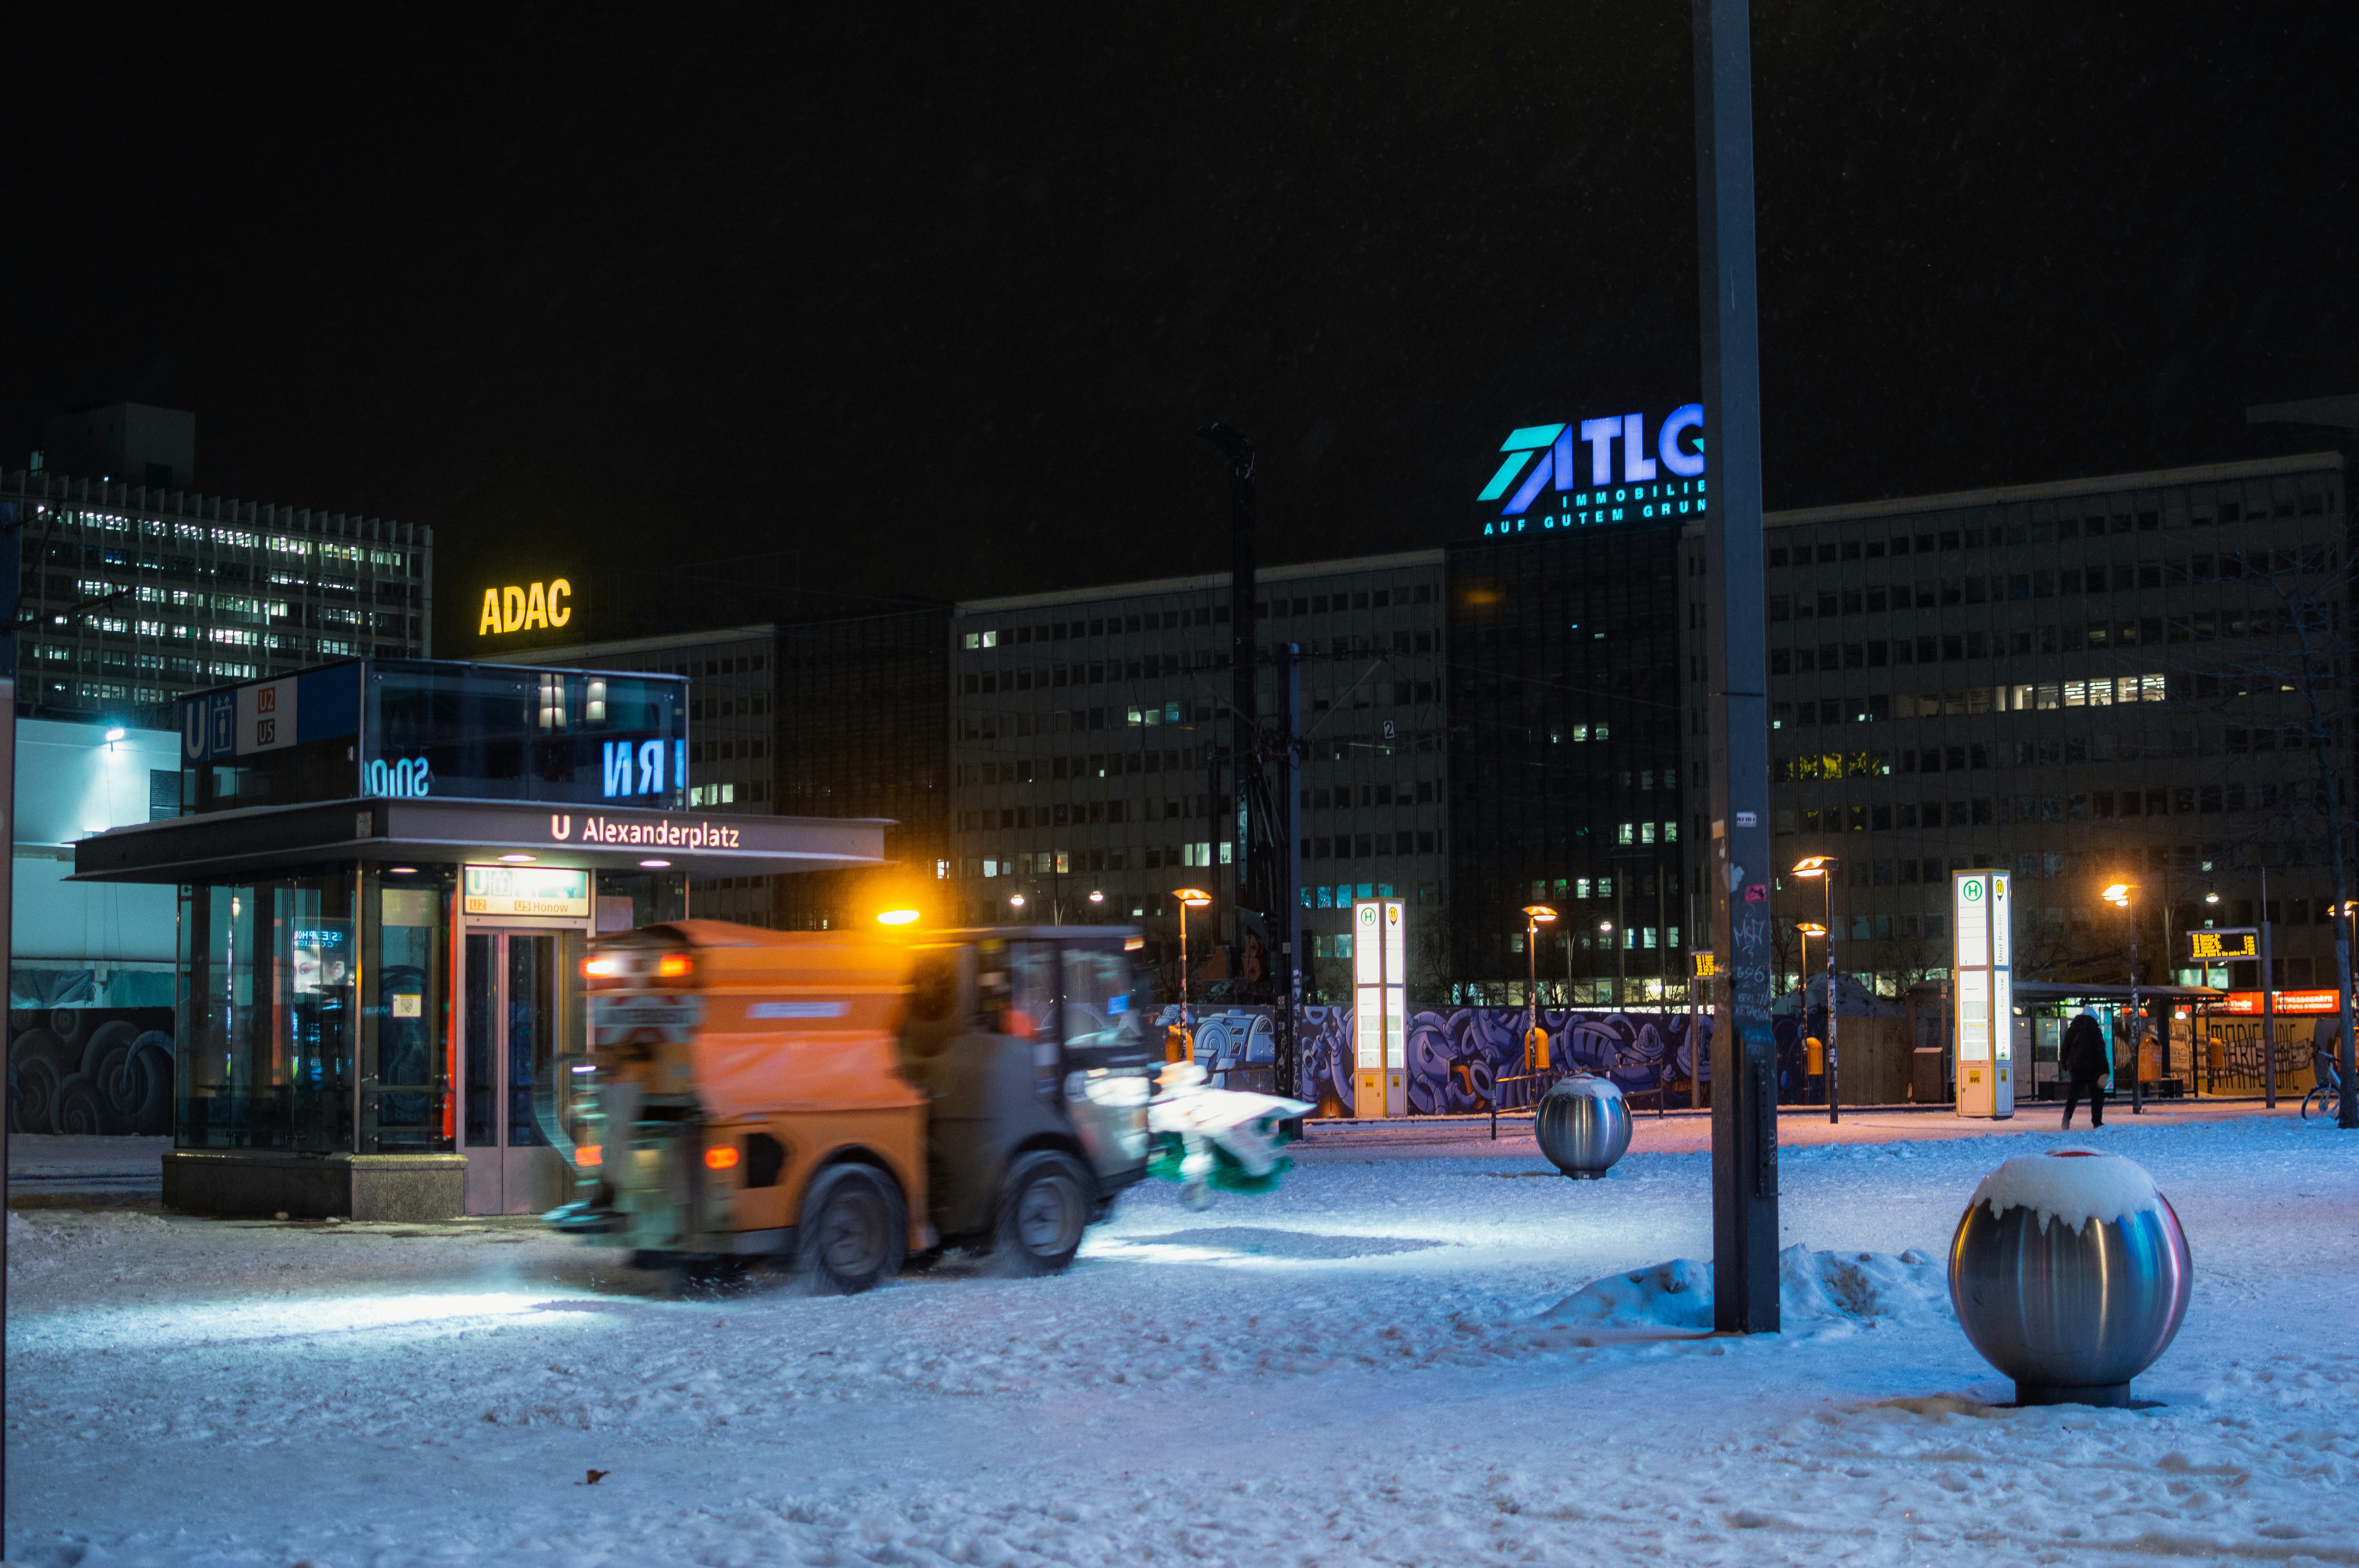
1982 985
1379 1007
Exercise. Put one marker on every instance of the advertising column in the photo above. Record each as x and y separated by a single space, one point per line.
1982 980
1379 1007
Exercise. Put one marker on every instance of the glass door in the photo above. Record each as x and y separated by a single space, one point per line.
515 1014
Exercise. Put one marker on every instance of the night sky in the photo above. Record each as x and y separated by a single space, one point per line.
915 307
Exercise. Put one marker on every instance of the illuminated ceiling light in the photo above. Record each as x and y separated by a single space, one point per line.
654 865
404 870
516 859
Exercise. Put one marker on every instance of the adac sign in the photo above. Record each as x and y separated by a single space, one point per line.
1568 476
526 607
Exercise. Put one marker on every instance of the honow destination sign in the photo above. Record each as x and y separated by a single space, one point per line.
1661 475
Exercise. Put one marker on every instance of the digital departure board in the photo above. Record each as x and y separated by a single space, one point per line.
2218 946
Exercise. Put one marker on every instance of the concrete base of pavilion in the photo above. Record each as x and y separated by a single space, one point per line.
243 1182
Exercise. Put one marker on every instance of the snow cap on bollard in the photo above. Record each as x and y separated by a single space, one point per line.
2070 1274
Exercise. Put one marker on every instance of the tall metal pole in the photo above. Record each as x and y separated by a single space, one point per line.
2268 1005
2137 1015
1290 855
1243 717
2346 1114
1744 1049
1621 938
8 548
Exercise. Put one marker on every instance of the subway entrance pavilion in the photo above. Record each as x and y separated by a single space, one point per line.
388 871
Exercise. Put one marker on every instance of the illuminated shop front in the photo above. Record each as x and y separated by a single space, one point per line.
387 875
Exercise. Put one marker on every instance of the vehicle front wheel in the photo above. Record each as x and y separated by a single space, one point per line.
853 1231
1043 1210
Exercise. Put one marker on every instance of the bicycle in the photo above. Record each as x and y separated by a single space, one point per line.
2328 1094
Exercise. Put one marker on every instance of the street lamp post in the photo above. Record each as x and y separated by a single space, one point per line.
1823 868
1535 916
2118 895
1605 931
1806 929
1190 898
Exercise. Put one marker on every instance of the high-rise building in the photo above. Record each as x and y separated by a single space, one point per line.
135 596
1090 738
864 724
1573 767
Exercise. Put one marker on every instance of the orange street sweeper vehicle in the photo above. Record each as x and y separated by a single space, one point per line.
836 1101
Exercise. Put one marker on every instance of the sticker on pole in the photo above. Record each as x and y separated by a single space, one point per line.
620 1020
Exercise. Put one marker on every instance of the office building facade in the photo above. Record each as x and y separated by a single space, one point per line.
135 596
2121 678
1090 737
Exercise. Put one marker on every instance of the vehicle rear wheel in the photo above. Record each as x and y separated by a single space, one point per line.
853 1231
1043 1210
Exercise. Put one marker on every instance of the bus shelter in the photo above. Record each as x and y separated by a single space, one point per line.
2174 1017
377 985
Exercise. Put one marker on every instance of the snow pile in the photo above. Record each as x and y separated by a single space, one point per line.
1677 1295
2074 1185
1811 1286
1911 1288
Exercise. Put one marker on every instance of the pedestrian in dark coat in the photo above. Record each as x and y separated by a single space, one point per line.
2085 1062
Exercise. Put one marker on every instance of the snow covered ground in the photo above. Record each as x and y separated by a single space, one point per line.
1362 1368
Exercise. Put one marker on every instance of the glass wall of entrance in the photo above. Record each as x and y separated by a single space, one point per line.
521 1034
399 1010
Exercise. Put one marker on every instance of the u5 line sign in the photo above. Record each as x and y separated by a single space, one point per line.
1659 471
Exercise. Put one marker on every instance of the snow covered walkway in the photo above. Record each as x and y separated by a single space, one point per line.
1362 1368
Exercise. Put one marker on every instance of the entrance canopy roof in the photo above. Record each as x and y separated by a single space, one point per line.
225 845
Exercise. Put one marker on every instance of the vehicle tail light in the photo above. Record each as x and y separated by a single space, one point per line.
588 1156
721 1157
673 966
604 966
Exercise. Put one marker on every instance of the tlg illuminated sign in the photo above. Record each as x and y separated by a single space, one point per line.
1661 477
529 607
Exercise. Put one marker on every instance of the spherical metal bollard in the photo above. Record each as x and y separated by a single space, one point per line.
2069 1274
1583 1125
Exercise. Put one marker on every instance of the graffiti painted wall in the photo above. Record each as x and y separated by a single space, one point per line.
1458 1057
